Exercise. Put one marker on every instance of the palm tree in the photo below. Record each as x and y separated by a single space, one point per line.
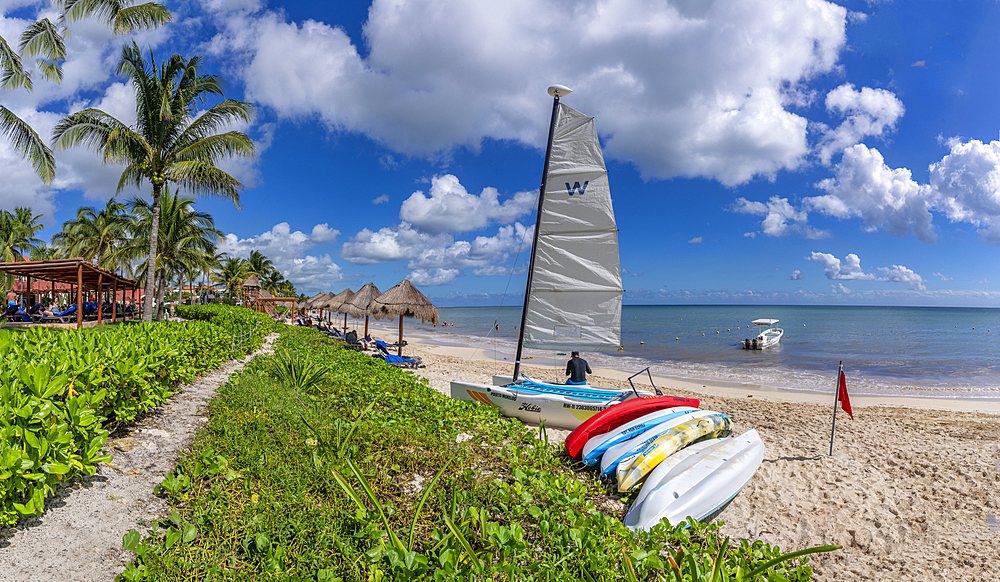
186 238
170 142
272 281
17 237
258 264
44 38
44 252
95 235
17 234
232 273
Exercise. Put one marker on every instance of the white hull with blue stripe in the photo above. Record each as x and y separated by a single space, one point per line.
558 405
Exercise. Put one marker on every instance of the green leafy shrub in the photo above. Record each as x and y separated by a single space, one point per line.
60 391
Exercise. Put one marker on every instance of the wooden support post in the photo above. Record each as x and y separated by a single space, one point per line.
114 300
100 297
79 296
399 342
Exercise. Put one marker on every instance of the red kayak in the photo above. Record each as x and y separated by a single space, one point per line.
617 415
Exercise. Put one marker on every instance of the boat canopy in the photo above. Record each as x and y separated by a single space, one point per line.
764 321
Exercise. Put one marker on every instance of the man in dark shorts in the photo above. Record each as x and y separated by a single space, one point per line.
577 369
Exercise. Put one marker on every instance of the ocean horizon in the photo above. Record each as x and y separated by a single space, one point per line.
943 352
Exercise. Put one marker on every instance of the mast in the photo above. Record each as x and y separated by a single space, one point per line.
556 91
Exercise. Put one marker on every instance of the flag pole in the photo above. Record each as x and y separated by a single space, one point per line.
836 401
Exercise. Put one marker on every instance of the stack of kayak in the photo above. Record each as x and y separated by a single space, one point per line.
684 458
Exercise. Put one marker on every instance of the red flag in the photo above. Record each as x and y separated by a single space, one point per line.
845 402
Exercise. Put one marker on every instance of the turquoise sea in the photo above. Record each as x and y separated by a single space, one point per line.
913 351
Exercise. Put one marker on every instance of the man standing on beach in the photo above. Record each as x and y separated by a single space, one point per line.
11 298
577 369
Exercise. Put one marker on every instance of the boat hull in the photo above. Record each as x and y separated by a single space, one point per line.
567 408
707 427
623 453
612 418
768 339
697 482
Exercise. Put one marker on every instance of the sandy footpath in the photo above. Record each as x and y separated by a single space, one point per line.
909 491
79 537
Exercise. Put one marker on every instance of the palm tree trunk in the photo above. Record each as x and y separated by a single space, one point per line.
160 292
147 304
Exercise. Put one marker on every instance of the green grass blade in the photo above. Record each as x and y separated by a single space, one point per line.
378 506
476 563
717 568
792 556
423 499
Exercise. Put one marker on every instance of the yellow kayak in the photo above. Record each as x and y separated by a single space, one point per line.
675 439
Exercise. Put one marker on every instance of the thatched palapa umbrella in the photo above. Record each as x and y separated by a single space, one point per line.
360 303
320 301
404 300
337 300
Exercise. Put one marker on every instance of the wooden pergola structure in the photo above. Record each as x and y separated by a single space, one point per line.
81 276
264 300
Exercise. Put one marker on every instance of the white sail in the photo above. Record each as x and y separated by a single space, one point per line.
575 299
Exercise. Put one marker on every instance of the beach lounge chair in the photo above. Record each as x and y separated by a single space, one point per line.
399 362
66 316
395 360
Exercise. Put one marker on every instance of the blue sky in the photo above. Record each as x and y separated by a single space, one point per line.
759 152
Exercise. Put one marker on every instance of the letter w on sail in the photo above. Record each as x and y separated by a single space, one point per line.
576 189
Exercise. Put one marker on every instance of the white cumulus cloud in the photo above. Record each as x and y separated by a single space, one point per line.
720 77
431 277
849 269
864 186
968 181
900 274
868 112
451 208
780 218
287 251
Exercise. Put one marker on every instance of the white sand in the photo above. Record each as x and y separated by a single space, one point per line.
908 491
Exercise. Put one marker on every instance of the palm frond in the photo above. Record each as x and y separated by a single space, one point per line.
50 70
99 132
218 117
27 143
12 73
216 147
205 179
42 38
132 176
118 14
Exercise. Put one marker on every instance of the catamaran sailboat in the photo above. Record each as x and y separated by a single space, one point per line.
573 298
765 339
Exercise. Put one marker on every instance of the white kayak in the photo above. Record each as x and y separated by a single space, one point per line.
598 445
626 451
698 481
558 405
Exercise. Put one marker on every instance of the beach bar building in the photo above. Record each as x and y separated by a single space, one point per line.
77 279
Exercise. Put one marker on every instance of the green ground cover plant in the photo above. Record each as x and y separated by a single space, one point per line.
359 471
62 391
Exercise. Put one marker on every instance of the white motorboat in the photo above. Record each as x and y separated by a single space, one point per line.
765 339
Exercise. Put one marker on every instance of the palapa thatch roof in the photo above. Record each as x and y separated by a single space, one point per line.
311 302
252 281
337 300
264 293
322 301
404 299
358 305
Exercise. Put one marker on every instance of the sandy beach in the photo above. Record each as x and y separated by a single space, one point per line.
911 491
